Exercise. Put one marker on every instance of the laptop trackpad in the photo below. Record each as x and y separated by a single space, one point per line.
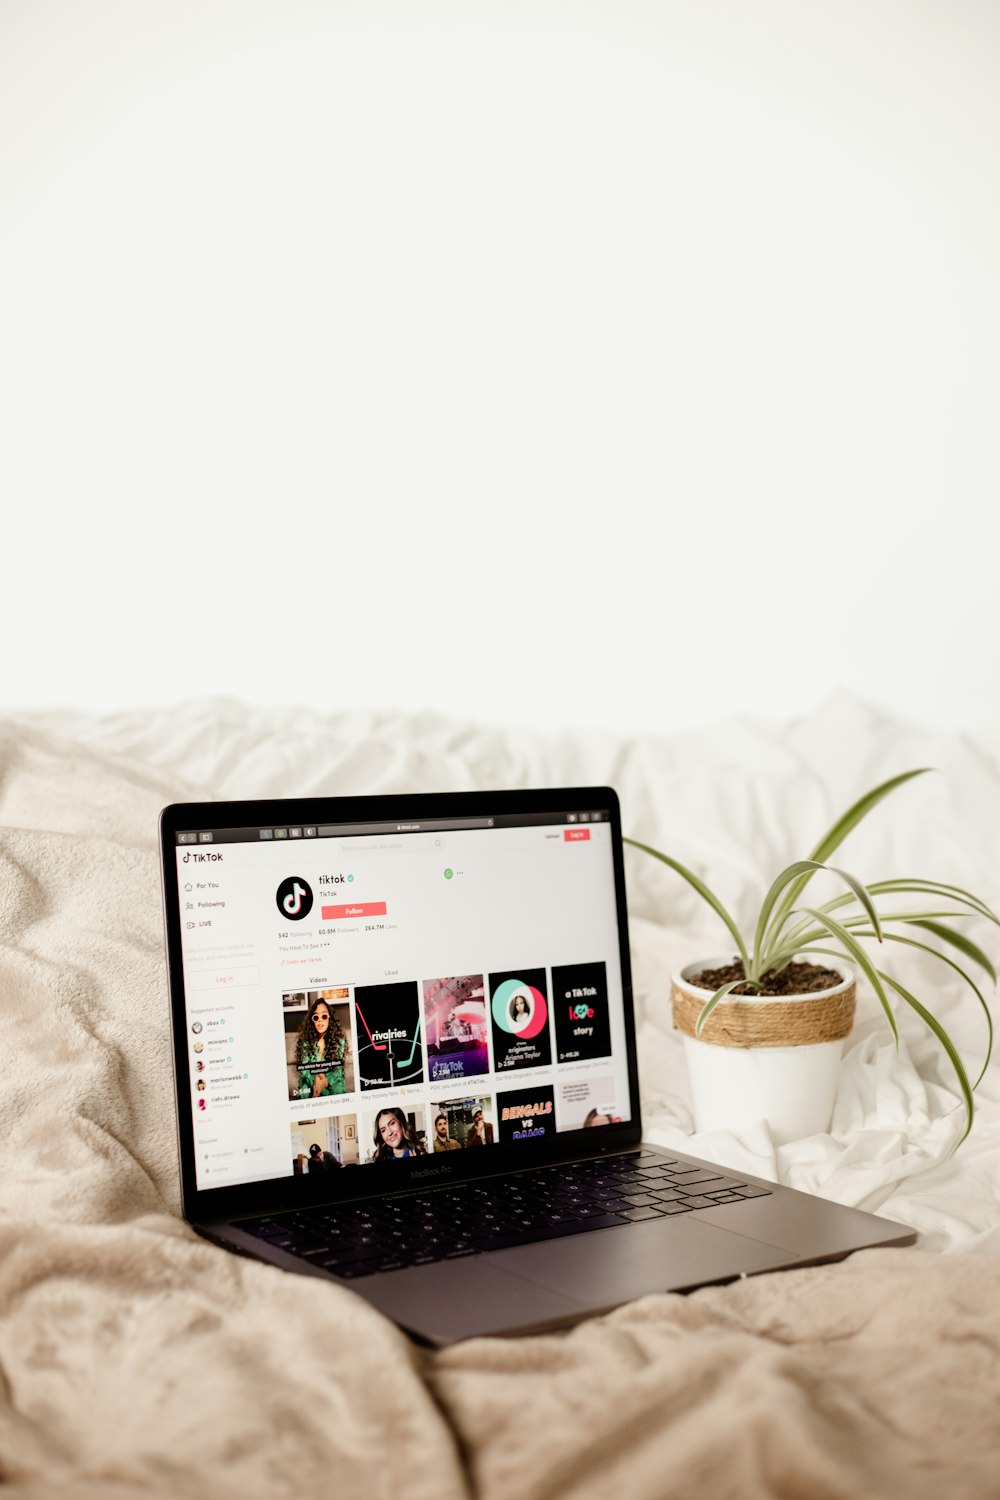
603 1269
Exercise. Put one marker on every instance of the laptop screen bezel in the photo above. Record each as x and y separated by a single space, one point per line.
209 1205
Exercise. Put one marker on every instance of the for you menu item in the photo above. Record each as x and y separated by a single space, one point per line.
519 1011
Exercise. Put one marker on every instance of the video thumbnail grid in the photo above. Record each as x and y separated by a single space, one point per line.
371 1045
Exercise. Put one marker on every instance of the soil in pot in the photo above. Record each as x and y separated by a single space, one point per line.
796 978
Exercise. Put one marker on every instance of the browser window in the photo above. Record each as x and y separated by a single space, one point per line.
369 994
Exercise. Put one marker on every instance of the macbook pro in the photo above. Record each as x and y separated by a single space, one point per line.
405 1061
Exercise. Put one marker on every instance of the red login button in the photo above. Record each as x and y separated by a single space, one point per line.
354 909
572 835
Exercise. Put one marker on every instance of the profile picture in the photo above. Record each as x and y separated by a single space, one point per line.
200 1066
520 1010
199 1046
201 1085
202 1105
197 1027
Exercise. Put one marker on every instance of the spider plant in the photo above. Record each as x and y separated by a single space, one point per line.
862 913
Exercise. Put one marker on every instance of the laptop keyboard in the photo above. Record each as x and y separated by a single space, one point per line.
470 1218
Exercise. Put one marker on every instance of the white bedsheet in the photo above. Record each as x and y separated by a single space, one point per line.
737 801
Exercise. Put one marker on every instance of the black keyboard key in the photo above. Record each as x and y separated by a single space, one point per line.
468 1219
548 1232
362 1241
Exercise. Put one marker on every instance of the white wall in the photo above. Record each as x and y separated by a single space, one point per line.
615 362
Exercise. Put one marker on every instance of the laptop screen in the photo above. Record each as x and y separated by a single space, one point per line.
366 994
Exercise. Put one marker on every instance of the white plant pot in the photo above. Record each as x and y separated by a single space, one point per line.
791 1088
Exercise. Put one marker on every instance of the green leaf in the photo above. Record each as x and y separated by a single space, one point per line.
704 893
920 886
957 940
800 939
935 1026
854 949
792 939
849 820
707 1009
787 876
915 887
835 836
897 937
805 943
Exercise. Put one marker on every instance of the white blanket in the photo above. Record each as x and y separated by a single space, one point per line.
135 1355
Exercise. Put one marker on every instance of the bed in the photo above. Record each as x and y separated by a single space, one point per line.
139 1360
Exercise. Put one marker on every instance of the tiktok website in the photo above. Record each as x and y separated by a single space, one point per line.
355 999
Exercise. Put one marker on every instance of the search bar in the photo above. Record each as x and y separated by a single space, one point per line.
417 825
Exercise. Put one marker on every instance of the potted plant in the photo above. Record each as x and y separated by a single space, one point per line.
764 1029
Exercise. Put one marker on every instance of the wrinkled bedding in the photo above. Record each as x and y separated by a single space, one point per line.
138 1359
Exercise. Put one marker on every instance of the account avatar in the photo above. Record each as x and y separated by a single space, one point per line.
520 1010
197 1027
200 1066
202 1105
201 1085
199 1046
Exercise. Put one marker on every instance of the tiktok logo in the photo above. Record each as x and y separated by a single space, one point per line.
294 898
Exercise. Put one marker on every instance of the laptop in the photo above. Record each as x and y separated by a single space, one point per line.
405 1061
